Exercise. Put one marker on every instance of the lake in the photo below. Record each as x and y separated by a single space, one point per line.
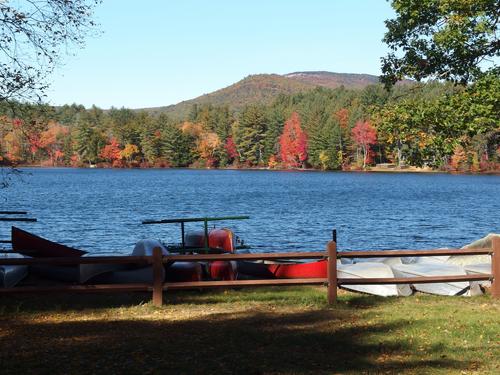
101 210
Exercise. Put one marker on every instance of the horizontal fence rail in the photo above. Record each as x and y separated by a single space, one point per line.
412 280
157 260
411 253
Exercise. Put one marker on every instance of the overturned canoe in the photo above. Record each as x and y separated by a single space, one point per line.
253 270
366 270
222 239
304 270
29 244
11 275
479 269
434 269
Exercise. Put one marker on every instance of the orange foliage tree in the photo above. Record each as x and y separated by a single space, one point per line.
207 144
111 152
293 143
51 141
129 151
342 116
458 159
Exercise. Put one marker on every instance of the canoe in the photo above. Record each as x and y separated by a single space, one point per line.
435 269
184 271
145 247
479 269
177 272
88 272
220 238
386 260
464 260
27 243
137 275
305 270
12 275
318 269
113 273
222 270
247 270
365 270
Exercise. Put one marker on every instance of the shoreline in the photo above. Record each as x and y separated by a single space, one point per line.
375 169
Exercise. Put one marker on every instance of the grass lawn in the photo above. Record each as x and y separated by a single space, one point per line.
250 331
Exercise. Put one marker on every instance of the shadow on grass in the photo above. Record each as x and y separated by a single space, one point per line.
317 341
270 295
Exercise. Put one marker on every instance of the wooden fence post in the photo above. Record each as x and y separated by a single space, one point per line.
157 277
495 267
331 249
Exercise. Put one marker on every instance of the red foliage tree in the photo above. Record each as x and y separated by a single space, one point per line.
364 135
230 146
111 152
293 143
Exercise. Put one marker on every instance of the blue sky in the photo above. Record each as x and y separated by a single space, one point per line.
155 53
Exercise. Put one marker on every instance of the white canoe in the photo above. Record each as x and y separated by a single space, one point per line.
464 260
372 270
122 272
435 269
385 260
479 269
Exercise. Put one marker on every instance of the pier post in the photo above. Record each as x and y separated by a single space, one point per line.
495 267
157 277
331 249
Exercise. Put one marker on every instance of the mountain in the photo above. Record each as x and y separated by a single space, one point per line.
264 88
334 80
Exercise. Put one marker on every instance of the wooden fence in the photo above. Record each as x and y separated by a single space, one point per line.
157 260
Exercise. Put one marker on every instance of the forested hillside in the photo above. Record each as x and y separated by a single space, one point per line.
264 88
442 126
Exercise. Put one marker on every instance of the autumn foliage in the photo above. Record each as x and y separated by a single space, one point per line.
293 143
111 152
364 135
230 147
342 116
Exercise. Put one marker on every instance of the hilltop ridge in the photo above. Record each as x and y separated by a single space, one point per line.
263 88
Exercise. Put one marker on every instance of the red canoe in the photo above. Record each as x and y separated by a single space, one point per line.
29 244
282 270
299 270
221 239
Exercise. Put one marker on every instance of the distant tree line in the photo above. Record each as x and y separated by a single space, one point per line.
439 125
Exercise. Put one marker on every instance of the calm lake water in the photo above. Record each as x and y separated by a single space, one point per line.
100 210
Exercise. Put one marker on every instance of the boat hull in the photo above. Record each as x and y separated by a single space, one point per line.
433 269
27 243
